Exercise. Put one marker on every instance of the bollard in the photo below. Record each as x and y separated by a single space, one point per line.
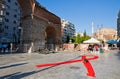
88 66
11 47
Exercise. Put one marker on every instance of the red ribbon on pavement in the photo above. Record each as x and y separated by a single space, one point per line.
85 60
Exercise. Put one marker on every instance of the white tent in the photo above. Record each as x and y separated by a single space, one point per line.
92 41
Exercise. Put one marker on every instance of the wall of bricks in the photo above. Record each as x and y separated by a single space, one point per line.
42 12
26 7
35 20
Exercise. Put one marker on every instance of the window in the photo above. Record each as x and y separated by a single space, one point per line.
14 28
16 3
15 15
6 27
14 22
7 13
7 6
9 0
7 20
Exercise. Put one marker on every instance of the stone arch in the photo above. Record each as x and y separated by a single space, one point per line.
36 20
27 10
50 35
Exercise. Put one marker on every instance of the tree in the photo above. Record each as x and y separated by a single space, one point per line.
67 40
72 38
78 39
85 37
82 39
85 33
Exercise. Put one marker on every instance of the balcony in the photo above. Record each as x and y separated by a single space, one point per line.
2 16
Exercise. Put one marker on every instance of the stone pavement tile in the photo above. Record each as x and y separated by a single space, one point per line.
24 66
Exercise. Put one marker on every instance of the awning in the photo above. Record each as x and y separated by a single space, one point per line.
92 41
111 42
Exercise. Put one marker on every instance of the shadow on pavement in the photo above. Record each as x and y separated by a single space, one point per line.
13 65
19 75
5 53
10 76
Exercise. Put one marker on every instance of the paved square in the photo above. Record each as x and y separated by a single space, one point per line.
23 66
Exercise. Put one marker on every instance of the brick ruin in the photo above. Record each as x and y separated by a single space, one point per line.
39 26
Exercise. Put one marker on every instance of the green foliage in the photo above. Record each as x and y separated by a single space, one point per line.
72 38
78 39
68 38
87 37
85 33
84 38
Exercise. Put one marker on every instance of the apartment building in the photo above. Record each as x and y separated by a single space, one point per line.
28 22
68 30
9 20
118 24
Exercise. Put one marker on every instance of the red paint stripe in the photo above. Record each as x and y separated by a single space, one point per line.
57 63
66 62
88 65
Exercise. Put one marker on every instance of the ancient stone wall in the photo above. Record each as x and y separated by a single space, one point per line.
26 7
35 20
42 12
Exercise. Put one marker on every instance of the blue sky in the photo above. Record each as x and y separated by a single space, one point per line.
83 12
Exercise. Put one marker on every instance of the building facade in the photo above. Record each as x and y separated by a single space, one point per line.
118 25
105 34
68 30
9 20
30 23
39 26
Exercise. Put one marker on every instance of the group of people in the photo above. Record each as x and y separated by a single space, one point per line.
5 47
95 48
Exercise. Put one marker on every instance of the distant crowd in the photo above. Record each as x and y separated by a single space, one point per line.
5 47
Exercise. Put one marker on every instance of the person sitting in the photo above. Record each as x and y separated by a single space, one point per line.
90 48
96 47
